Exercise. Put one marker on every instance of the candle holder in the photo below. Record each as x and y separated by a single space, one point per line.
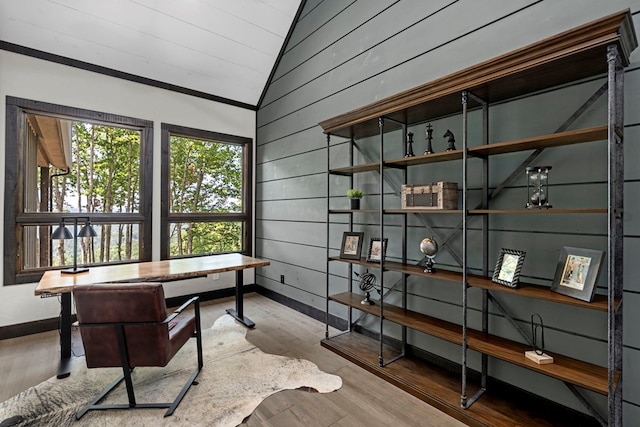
538 187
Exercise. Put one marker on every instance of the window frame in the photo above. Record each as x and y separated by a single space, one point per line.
14 216
167 218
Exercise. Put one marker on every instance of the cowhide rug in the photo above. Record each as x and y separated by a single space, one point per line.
235 378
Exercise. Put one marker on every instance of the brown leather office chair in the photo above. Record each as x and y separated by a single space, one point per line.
126 325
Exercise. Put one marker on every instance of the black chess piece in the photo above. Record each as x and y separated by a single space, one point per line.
409 150
429 132
451 140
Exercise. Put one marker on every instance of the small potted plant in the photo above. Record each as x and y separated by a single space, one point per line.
355 196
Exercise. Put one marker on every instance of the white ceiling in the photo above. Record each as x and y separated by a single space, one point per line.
224 48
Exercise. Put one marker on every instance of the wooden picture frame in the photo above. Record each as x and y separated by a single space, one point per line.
508 266
377 249
351 247
577 272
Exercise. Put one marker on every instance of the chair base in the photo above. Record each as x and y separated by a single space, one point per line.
94 406
127 369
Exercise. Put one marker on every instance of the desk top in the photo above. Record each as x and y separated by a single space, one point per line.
54 282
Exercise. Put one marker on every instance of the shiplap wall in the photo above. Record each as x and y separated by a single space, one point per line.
345 54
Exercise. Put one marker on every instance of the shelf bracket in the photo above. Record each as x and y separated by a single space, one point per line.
592 410
519 169
510 318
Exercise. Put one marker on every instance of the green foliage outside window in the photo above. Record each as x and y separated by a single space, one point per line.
205 177
104 178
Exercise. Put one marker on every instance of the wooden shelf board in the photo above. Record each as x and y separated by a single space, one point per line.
423 211
361 261
550 211
400 211
350 170
444 156
430 325
540 142
441 388
438 274
582 374
589 376
451 276
338 211
527 290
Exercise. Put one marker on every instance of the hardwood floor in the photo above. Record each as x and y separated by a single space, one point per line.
363 400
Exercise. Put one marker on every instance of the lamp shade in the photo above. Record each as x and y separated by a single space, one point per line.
87 231
61 233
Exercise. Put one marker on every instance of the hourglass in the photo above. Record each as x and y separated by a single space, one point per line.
538 187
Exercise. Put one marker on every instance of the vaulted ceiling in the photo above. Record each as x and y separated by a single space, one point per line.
223 48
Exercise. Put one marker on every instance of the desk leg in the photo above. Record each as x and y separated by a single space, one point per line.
64 370
238 313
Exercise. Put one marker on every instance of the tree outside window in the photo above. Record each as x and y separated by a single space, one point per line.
205 182
104 178
65 165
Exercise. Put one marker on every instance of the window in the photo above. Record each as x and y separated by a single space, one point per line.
71 166
206 207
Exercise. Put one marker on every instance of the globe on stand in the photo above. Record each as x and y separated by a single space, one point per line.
429 247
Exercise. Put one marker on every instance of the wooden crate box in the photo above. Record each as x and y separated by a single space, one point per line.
438 195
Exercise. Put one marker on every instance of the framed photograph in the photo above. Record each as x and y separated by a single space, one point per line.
351 245
508 268
377 249
577 272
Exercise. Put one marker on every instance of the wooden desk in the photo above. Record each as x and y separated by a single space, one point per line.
55 283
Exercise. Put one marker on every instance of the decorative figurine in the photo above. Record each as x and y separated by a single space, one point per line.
451 140
538 348
409 152
429 132
538 187
367 283
429 247
537 354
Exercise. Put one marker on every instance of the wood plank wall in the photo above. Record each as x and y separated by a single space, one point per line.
345 54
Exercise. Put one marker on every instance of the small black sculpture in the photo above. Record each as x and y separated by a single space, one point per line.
535 328
409 151
451 140
537 342
367 283
429 132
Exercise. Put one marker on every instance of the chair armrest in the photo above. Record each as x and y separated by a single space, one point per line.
195 300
